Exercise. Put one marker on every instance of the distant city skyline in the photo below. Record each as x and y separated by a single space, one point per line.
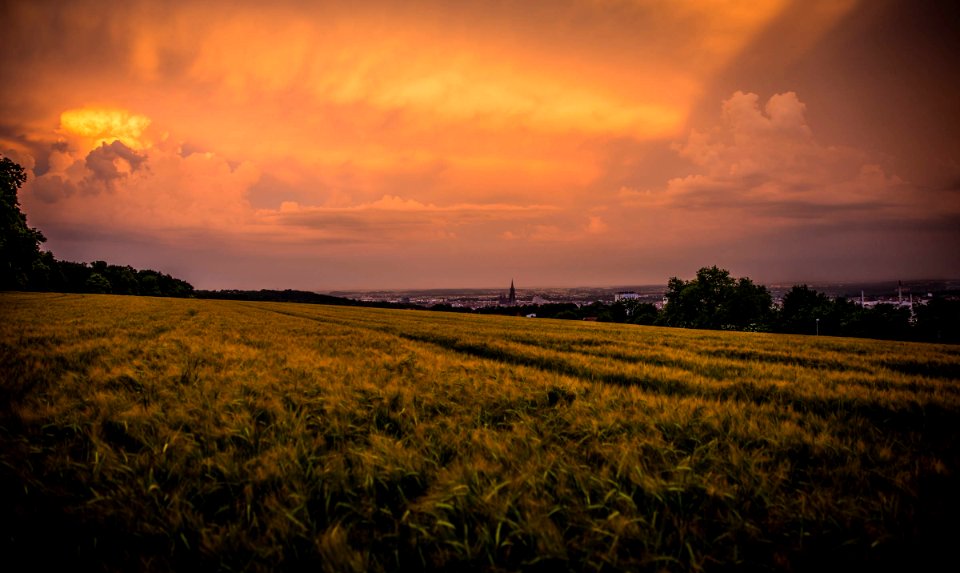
428 144
873 289
868 295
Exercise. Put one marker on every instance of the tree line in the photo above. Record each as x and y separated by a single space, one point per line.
25 266
716 300
297 296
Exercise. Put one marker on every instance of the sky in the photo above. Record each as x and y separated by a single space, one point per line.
432 144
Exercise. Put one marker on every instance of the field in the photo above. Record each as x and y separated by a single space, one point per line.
158 434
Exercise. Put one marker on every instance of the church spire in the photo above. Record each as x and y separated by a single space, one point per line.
513 293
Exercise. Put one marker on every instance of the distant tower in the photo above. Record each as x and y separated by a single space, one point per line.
900 292
511 298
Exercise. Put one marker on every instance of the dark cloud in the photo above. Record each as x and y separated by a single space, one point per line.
765 160
113 161
52 188
30 152
883 79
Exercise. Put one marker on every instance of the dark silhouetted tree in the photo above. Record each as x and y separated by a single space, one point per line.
939 320
882 321
19 244
749 308
617 312
802 306
24 266
123 279
640 312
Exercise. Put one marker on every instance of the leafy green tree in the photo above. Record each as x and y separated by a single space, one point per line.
715 300
123 279
640 312
891 322
616 312
845 319
44 274
882 321
596 310
149 283
174 287
702 302
71 277
749 308
678 310
802 306
19 244
97 283
554 310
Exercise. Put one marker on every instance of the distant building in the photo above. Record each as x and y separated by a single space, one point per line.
511 298
626 296
900 301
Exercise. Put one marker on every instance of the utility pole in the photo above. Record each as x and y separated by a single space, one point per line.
818 327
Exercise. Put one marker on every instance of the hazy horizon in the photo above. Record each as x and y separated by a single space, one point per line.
520 287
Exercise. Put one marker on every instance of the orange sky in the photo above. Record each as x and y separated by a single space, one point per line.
319 145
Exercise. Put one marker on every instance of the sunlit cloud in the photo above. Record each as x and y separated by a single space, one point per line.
512 79
104 126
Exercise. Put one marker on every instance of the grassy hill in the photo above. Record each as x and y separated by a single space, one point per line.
157 434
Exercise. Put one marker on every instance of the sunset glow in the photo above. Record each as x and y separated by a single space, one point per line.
323 145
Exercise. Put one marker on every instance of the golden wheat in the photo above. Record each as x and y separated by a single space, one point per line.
143 433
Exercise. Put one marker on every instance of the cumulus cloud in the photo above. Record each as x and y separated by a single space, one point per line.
113 161
156 190
766 161
117 190
764 194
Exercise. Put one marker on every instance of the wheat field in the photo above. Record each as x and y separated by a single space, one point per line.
157 434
